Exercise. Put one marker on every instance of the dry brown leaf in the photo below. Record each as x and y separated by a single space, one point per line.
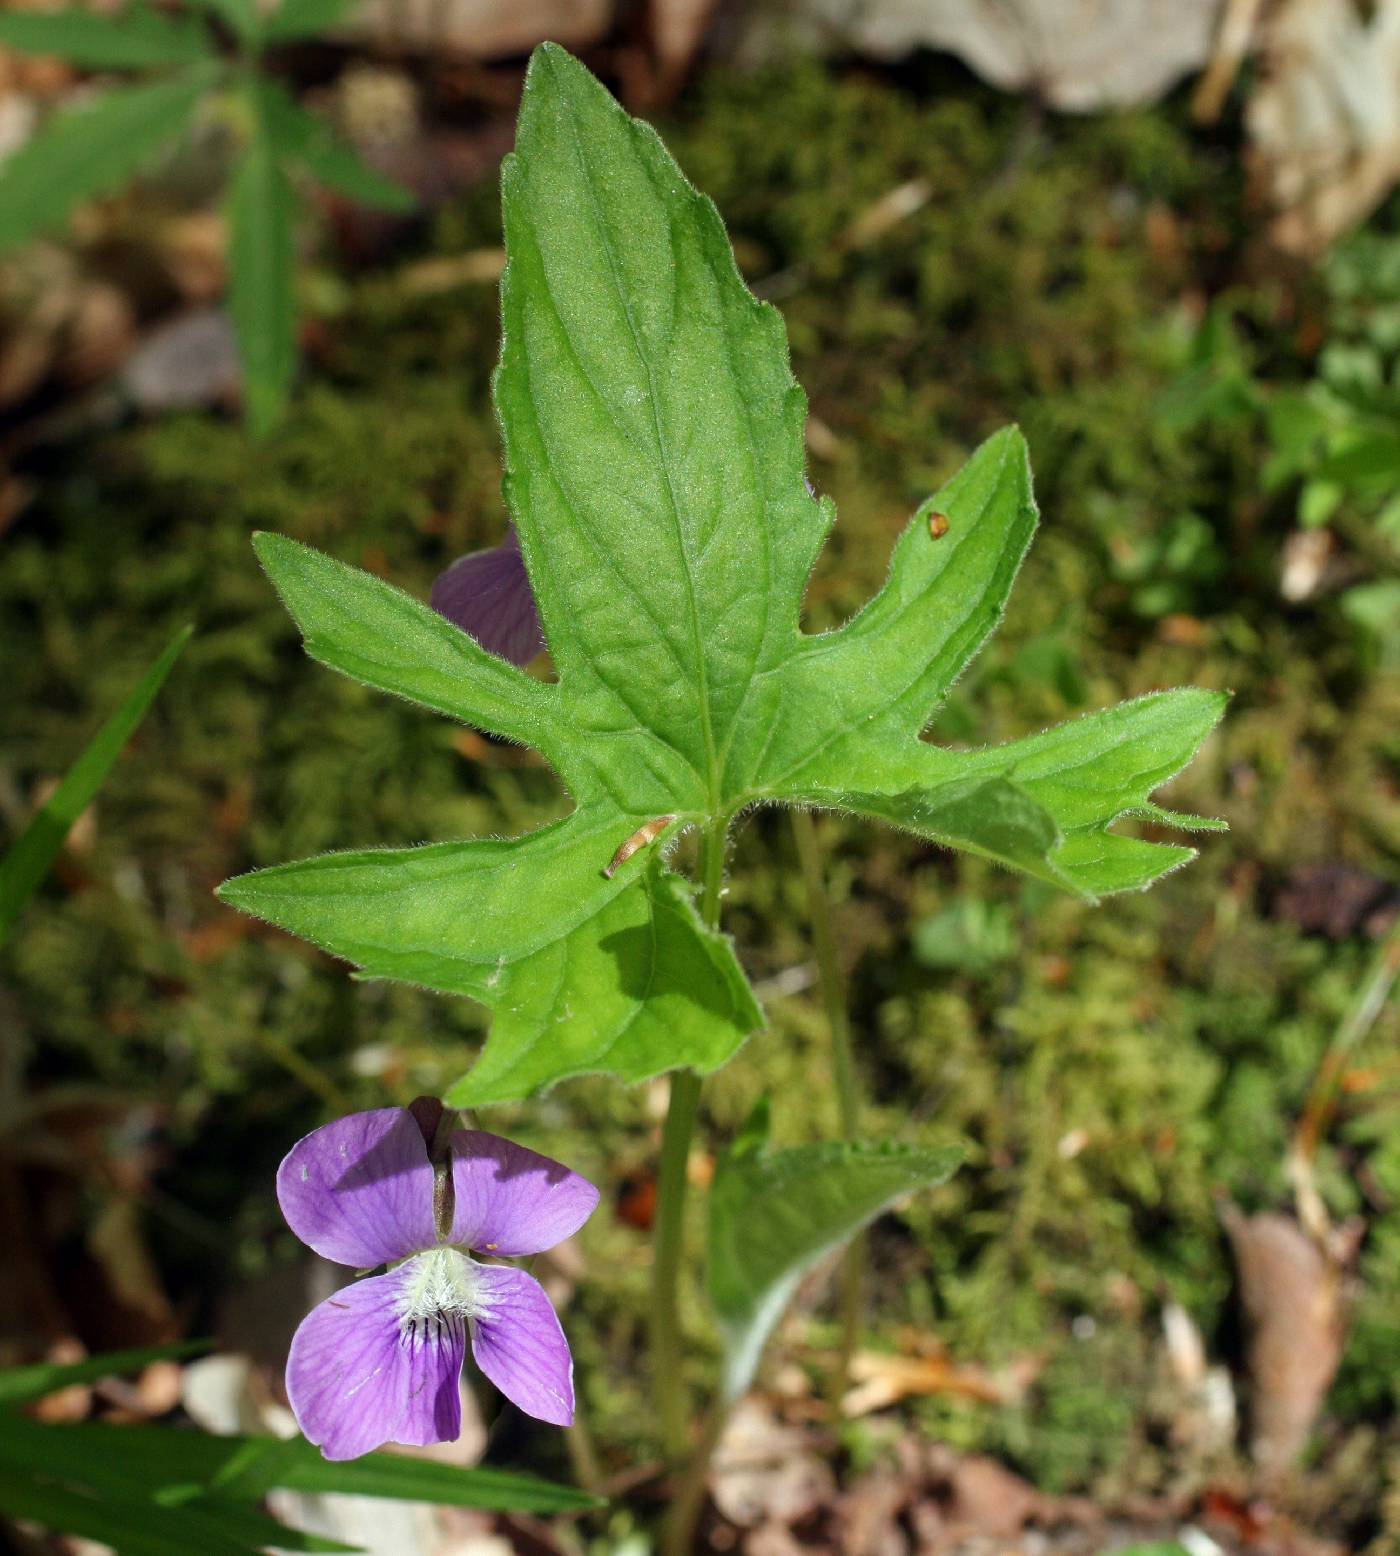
1325 118
70 1404
1292 1294
677 31
764 1472
979 1496
482 29
117 1241
882 1380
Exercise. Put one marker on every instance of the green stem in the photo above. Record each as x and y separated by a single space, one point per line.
843 1068
833 985
1361 1015
667 1354
678 1534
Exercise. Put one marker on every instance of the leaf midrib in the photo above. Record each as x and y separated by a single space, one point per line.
711 775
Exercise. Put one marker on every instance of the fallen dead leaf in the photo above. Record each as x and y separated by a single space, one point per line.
1292 1294
882 1380
70 1404
1337 900
1324 121
1079 55
481 29
765 1471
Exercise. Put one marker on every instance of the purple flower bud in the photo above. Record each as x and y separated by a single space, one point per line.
381 1360
487 594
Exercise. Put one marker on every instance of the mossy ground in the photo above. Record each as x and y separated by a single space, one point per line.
1114 1069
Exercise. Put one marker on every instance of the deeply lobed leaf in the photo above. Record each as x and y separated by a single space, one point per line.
654 471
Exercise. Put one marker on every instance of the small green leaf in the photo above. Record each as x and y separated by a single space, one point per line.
629 984
87 150
134 39
29 857
376 634
18 1385
773 1215
294 19
302 137
241 17
262 276
640 988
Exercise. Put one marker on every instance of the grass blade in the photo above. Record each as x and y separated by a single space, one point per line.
29 858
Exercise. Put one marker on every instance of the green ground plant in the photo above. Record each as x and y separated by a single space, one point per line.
187 72
655 474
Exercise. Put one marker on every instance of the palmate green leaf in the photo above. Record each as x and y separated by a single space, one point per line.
93 148
262 279
773 1215
654 471
134 39
584 974
27 861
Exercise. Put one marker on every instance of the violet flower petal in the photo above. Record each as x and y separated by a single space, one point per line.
488 595
356 1379
519 1346
360 1190
511 1201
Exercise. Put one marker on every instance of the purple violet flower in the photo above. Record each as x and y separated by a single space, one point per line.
487 594
381 1359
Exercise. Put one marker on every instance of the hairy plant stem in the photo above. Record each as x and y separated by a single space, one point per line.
843 1069
667 1353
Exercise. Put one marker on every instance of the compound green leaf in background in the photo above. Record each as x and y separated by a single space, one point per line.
262 278
297 19
303 138
84 150
655 473
137 38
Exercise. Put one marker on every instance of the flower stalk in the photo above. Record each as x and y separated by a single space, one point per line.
843 1070
667 1351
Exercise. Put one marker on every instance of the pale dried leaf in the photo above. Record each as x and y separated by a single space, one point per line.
483 29
1325 120
1292 1294
763 1471
1078 55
